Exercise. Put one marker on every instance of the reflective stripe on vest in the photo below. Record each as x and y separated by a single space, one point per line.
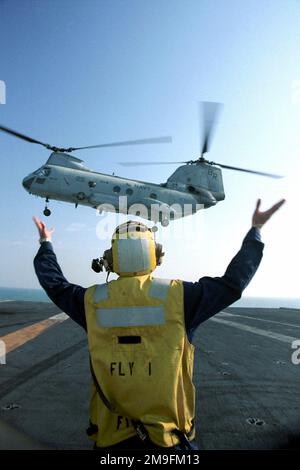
130 316
159 288
101 293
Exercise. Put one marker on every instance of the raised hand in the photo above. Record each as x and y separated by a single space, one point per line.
43 231
259 218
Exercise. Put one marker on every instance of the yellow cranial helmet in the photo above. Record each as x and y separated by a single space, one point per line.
134 251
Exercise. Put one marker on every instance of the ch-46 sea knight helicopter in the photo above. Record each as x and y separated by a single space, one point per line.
194 185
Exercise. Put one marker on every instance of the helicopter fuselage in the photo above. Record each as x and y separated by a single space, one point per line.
190 188
194 185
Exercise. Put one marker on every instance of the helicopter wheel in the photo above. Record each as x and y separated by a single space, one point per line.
165 222
154 229
47 212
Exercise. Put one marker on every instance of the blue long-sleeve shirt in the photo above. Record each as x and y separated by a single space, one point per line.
202 299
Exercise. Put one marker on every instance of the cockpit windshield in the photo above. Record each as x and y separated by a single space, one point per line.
43 171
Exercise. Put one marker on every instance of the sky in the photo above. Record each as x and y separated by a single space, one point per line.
87 72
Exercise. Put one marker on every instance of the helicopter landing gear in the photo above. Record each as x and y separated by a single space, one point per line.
154 228
165 222
47 211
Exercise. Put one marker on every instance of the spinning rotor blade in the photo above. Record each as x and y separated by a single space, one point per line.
23 136
227 167
208 113
148 163
152 140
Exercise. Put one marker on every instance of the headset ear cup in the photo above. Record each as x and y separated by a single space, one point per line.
108 256
159 253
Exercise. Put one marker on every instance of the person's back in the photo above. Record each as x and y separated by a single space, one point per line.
140 331
142 359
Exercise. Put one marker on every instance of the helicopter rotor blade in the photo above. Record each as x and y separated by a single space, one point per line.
19 135
152 140
148 163
261 173
23 137
208 114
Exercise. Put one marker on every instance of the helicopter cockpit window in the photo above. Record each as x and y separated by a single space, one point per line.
42 171
40 180
46 171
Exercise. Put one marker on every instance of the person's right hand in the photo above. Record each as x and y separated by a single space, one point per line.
259 218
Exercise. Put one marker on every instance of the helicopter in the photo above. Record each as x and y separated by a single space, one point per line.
194 185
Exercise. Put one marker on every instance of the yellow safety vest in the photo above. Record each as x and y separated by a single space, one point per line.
141 358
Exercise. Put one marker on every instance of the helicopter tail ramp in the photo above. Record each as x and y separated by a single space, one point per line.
248 388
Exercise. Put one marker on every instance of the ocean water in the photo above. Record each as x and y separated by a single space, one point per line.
268 302
38 295
11 293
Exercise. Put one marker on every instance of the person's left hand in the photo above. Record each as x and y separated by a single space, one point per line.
259 218
43 231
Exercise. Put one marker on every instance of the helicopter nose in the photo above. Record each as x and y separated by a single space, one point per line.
27 182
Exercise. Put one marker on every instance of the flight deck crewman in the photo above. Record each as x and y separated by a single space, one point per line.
140 331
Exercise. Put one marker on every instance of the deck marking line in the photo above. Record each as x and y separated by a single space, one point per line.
227 314
17 338
258 331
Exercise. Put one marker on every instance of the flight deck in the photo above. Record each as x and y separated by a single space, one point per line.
248 388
